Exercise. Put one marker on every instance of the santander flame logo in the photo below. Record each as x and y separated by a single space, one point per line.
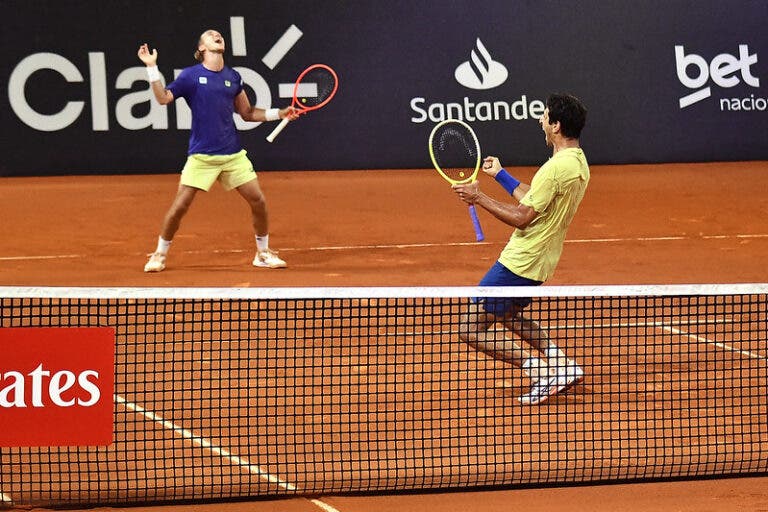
481 71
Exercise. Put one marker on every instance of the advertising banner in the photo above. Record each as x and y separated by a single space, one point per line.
675 81
56 386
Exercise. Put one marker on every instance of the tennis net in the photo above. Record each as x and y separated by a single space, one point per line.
238 393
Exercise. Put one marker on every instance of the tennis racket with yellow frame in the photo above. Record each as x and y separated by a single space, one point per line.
455 153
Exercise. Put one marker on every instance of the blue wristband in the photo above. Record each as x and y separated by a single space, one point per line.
507 181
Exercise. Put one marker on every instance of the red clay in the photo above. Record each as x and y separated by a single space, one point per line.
703 223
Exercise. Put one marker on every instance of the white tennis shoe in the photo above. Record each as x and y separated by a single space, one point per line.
573 375
540 392
156 263
551 385
268 259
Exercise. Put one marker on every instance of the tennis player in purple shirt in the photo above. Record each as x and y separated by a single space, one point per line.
214 92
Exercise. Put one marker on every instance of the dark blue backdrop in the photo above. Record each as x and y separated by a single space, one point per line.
619 57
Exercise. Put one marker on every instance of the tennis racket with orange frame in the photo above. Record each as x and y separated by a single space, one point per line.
314 88
455 153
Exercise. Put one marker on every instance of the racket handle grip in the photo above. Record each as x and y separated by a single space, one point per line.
278 129
476 223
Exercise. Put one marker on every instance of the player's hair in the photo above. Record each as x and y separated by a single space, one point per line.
571 113
198 53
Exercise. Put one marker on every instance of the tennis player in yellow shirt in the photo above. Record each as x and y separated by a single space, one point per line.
543 212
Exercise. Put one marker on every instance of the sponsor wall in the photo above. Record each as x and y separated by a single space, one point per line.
675 81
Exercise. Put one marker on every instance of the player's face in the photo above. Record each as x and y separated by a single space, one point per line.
212 41
546 127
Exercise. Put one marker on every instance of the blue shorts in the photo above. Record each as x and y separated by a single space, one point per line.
499 275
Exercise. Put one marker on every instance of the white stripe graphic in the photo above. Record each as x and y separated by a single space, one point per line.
100 109
282 47
237 34
221 452
286 90
694 97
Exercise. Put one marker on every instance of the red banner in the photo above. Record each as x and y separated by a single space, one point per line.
56 386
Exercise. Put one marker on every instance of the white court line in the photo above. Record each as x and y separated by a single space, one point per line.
348 247
637 239
221 452
720 237
416 246
702 339
464 244
667 326
323 505
200 441
5 500
44 257
615 325
452 331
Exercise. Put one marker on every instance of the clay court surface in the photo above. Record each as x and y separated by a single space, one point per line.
639 224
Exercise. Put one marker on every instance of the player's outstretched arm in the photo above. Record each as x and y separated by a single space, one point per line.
162 95
259 115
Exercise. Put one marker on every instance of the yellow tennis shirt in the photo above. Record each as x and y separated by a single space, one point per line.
556 191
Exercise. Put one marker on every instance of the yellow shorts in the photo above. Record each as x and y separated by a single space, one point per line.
231 171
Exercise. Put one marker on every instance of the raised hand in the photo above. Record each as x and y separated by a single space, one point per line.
491 166
149 59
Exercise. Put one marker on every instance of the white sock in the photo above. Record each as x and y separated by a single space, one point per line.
162 245
553 353
262 243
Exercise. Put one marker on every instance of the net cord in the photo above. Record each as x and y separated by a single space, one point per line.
393 292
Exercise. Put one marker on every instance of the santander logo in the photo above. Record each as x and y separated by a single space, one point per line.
478 73
481 71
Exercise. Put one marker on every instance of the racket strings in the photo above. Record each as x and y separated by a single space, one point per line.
455 151
317 86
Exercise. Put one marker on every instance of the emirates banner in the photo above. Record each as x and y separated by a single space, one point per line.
675 81
56 386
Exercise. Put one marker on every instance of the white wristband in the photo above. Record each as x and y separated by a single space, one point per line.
153 73
273 114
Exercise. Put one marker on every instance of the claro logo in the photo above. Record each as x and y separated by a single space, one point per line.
99 97
725 71
56 386
40 388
